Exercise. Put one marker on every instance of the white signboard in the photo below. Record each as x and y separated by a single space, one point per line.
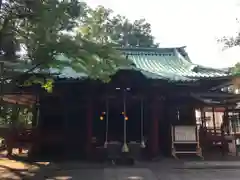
185 133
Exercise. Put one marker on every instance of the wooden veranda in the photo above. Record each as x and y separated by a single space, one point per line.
217 111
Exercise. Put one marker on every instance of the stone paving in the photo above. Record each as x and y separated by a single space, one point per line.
129 174
121 173
199 175
163 170
77 174
212 164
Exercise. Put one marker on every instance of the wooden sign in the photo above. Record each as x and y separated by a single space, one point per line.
184 133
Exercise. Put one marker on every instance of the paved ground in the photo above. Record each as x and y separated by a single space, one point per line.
147 174
200 175
163 170
153 171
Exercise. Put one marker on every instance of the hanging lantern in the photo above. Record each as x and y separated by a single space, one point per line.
126 118
123 113
102 116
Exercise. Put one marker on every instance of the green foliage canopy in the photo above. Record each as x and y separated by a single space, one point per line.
102 26
45 29
231 41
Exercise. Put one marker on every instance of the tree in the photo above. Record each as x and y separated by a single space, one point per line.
236 69
44 29
102 26
96 26
137 33
229 42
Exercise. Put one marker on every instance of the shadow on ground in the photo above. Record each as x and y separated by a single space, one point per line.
18 168
21 168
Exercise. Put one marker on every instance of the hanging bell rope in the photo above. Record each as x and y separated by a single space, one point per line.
142 125
107 115
125 146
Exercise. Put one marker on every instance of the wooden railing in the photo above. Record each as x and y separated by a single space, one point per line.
213 139
18 138
214 135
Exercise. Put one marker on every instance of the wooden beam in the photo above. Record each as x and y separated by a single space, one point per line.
221 86
23 99
131 97
213 94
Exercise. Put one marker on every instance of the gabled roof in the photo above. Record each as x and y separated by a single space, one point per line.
172 64
169 63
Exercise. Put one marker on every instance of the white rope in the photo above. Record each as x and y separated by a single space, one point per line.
125 147
124 110
107 116
142 125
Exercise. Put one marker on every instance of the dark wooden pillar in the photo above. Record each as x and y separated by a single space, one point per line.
66 111
89 127
35 148
214 121
154 128
36 144
187 115
202 116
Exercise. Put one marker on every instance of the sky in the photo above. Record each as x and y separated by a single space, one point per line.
194 23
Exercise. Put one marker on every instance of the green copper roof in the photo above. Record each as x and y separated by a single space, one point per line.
169 63
172 64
